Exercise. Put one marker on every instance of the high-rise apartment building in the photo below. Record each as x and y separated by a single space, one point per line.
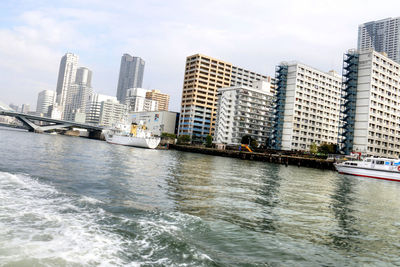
46 98
203 77
130 75
371 104
244 110
382 36
307 107
66 76
162 99
78 94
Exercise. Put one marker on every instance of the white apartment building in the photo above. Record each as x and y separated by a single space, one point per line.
157 122
307 107
104 110
136 100
46 98
112 112
372 121
382 36
244 110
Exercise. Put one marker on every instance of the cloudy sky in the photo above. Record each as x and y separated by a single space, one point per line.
257 35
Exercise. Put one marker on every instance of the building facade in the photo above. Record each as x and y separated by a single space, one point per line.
244 110
46 98
162 99
371 101
203 77
157 122
78 94
136 100
66 76
130 75
382 36
307 107
105 110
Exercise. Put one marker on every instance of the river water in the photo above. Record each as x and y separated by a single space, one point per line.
69 201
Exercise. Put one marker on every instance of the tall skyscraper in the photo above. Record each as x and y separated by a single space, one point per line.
381 35
163 99
130 75
46 98
66 76
203 77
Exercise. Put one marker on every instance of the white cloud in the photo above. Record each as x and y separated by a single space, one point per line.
256 35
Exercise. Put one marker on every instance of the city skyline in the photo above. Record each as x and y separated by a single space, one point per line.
252 36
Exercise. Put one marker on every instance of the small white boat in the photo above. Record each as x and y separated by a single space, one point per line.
133 135
378 168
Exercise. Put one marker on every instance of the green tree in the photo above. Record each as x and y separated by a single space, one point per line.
326 149
246 139
253 143
183 139
313 148
209 140
168 135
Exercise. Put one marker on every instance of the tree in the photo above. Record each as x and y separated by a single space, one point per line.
246 139
253 143
313 148
168 135
326 149
184 139
209 141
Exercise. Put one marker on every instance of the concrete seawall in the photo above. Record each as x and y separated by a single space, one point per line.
273 158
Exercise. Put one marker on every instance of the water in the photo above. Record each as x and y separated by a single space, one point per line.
67 201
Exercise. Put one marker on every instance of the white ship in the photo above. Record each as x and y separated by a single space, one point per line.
378 168
132 135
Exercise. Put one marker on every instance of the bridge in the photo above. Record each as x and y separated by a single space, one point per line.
29 121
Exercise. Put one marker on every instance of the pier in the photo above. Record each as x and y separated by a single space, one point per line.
300 161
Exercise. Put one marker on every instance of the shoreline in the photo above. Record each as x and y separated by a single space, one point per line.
265 157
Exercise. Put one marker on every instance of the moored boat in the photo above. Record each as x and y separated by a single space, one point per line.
133 135
378 168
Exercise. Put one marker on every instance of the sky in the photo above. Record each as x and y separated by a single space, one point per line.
256 35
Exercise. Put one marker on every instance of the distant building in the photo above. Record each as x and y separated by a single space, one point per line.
66 76
136 101
130 75
55 112
307 107
25 108
371 100
162 99
14 107
156 121
244 110
382 36
104 110
204 75
46 98
78 94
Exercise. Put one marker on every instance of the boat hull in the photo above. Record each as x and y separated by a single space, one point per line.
369 173
133 141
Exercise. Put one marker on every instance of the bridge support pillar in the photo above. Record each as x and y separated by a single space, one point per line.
96 135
